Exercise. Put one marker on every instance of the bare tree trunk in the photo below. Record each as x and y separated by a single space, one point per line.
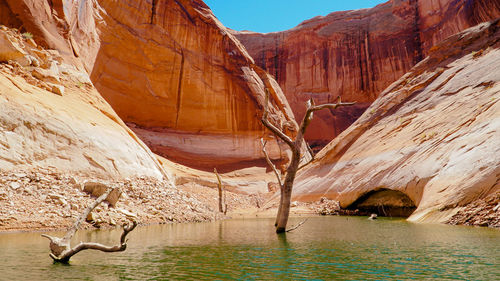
295 146
60 248
284 213
278 177
221 199
225 202
278 214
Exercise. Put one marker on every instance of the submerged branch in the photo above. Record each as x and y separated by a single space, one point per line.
60 248
297 226
69 234
64 258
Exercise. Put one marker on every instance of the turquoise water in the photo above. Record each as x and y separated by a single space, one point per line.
324 248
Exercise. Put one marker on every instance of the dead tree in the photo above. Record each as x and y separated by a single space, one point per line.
60 248
295 146
222 194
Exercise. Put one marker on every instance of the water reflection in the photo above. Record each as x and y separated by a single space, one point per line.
324 248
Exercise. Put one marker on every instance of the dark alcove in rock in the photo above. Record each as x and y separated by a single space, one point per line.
384 202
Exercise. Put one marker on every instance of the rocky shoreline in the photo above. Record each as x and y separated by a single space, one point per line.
482 212
40 200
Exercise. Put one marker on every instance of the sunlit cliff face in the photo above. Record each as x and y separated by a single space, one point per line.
357 54
433 135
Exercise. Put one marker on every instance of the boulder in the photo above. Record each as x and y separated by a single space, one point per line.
91 217
97 189
57 89
10 50
47 75
15 185
128 213
4 195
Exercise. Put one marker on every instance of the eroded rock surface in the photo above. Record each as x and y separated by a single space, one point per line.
433 135
482 212
64 125
183 83
169 69
66 26
357 54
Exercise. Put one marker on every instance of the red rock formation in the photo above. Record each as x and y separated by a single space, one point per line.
184 84
434 136
67 26
168 68
357 54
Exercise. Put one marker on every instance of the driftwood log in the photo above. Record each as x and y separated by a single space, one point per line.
295 145
61 250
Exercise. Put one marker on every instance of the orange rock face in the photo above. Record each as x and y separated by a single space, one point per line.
66 26
357 54
432 136
168 68
184 84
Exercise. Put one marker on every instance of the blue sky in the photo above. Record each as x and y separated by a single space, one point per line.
278 15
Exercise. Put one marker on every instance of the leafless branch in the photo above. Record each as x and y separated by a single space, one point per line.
330 105
270 126
69 234
310 151
66 255
61 250
269 162
297 226
311 108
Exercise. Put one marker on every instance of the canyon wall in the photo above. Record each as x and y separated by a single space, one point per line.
357 54
433 136
184 84
52 120
169 69
66 26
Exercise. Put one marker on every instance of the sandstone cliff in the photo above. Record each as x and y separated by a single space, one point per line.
169 69
430 141
357 54
53 119
66 26
183 83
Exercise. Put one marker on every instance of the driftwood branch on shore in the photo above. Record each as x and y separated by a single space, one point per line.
60 248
